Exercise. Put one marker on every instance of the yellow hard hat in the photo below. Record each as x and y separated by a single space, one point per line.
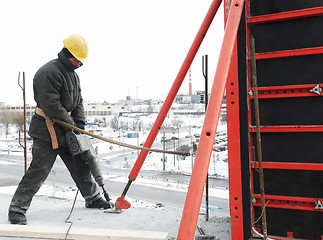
77 46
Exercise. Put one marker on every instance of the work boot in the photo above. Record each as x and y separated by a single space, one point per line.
17 218
98 203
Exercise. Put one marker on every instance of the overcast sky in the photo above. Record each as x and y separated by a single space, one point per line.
136 47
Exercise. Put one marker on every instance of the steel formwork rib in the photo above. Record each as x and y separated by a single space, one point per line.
297 201
202 160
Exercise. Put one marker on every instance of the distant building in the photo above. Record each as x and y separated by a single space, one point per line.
181 98
98 109
92 109
187 112
198 97
30 110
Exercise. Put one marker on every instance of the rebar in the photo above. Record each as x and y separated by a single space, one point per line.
259 153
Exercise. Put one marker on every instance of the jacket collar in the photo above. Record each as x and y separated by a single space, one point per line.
67 63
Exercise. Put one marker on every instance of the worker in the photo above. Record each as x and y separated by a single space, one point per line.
57 93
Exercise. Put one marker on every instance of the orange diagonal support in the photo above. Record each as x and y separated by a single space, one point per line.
203 155
176 85
171 95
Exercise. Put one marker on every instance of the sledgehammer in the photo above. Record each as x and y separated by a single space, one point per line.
121 203
116 142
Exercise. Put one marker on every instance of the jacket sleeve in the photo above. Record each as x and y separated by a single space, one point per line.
78 114
47 87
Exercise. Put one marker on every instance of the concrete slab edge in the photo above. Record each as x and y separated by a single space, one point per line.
54 232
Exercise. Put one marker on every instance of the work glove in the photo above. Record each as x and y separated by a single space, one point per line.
79 125
76 132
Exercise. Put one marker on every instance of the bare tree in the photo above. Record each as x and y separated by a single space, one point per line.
6 119
194 147
114 122
18 119
104 122
139 124
133 126
177 122
124 125
150 108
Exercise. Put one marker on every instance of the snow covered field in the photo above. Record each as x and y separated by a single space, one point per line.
115 156
189 126
118 157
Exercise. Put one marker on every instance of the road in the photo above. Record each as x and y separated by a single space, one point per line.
12 173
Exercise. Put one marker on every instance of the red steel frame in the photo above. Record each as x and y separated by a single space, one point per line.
303 90
204 151
302 13
121 202
287 202
289 53
290 166
203 155
228 69
233 131
234 156
293 128
177 83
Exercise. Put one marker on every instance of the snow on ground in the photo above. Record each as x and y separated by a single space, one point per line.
142 215
53 211
106 152
169 185
56 191
59 192
52 204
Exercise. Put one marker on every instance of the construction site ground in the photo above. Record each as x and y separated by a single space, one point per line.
51 212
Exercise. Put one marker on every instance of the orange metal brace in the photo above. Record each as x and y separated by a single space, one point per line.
203 155
121 203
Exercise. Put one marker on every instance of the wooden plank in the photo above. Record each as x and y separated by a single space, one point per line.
50 232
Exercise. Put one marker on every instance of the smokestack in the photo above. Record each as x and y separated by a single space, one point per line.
190 83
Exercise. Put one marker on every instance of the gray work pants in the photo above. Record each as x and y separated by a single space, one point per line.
43 160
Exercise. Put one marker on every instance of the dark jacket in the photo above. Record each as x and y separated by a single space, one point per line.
57 92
